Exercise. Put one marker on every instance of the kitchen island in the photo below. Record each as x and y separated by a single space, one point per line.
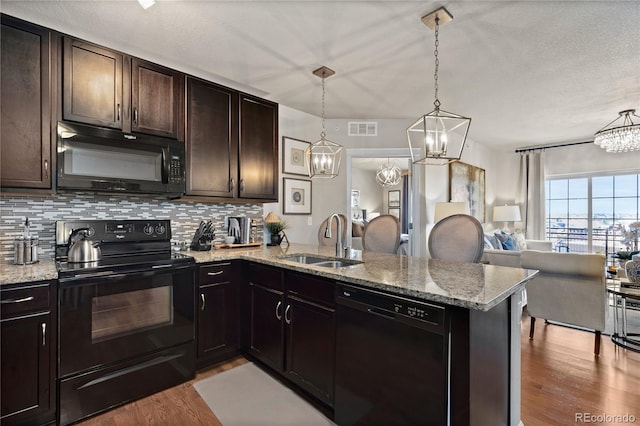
481 323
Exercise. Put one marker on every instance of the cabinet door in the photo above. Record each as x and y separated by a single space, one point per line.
217 320
211 139
93 87
258 149
156 94
25 372
25 124
310 346
266 326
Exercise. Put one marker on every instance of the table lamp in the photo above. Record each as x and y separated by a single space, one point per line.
506 214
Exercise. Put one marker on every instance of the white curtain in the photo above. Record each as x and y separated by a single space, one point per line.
531 194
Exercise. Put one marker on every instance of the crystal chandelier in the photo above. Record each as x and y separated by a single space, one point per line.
439 136
323 156
620 137
389 174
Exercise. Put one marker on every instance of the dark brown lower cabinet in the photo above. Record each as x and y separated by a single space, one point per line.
218 327
27 354
292 327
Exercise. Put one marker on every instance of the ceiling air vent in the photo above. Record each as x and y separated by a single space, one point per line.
363 128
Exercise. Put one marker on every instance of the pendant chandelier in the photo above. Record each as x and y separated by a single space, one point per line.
439 136
620 137
323 156
388 174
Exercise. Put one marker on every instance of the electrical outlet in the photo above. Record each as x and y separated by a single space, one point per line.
310 221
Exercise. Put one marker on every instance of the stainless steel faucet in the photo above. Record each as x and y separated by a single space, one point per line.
327 233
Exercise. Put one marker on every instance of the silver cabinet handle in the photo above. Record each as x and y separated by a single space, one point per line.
135 116
241 184
24 299
215 273
232 184
287 318
203 301
118 113
46 169
44 334
278 315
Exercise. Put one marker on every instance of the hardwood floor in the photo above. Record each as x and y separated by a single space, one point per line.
560 378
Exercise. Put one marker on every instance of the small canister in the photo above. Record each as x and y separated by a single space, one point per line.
18 251
34 248
27 250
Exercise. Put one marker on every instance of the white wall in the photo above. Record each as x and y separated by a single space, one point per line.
332 195
577 160
371 193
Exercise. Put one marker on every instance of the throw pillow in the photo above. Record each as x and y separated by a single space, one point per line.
507 241
493 241
357 229
521 243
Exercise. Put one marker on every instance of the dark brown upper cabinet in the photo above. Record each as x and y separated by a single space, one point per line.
232 143
258 148
93 90
211 139
25 95
107 88
156 99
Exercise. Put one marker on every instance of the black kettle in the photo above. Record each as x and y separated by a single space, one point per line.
81 248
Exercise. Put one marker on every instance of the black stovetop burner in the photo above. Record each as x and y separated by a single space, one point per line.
126 245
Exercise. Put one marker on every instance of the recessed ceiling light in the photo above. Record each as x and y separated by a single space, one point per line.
146 4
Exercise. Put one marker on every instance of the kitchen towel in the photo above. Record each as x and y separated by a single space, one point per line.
245 396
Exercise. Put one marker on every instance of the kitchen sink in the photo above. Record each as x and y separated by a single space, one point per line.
302 258
325 262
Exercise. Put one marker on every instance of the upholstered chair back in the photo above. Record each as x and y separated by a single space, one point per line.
458 237
382 234
569 288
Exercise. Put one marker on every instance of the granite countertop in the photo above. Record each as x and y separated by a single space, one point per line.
469 285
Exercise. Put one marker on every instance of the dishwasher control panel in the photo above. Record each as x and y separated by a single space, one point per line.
393 307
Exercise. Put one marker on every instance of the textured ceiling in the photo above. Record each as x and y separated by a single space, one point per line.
526 72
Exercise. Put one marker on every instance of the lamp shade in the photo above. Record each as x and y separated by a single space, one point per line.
271 218
506 214
449 209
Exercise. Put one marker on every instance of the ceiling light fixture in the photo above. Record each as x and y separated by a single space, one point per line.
620 137
323 156
146 4
439 136
388 174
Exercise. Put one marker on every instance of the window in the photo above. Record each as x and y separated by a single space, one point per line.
584 214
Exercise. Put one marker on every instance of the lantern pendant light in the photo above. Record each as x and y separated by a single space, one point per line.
323 156
439 136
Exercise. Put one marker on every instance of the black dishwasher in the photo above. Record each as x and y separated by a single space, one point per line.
391 360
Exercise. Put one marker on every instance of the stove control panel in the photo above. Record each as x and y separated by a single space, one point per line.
116 230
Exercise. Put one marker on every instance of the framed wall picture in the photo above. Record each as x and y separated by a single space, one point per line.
466 183
293 161
394 211
394 198
355 198
296 195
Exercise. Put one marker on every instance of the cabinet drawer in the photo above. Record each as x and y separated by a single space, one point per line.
310 287
24 300
216 273
265 276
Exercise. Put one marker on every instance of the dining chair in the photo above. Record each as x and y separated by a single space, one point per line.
382 234
323 241
458 237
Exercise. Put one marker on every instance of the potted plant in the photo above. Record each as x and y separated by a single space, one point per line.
275 229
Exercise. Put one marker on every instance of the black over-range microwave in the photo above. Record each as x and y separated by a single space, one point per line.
96 159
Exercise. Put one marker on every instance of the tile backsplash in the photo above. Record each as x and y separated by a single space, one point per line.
43 212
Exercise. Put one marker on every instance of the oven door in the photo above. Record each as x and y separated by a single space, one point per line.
117 317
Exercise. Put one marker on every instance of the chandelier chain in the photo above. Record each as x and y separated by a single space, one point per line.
436 103
323 134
